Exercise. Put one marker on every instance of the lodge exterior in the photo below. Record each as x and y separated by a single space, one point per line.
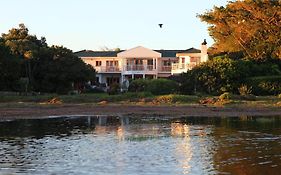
141 62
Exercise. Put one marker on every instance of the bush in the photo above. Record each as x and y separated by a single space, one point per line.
154 86
114 89
265 85
162 86
215 76
222 74
244 90
139 85
225 96
174 98
164 99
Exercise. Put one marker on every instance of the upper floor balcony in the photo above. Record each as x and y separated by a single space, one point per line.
178 68
108 69
139 68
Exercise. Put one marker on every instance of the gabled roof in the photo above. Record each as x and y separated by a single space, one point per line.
191 50
139 52
90 53
169 53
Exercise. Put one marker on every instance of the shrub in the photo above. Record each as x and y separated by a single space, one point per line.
215 76
222 74
154 86
139 85
244 90
265 85
114 89
163 99
225 96
162 86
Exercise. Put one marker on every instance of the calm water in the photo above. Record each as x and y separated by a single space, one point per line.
124 145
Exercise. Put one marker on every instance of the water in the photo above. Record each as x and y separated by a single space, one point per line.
148 145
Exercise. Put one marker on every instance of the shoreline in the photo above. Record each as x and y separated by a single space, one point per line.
32 111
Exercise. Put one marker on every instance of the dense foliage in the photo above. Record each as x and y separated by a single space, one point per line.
28 61
223 74
250 26
10 69
247 33
154 86
265 85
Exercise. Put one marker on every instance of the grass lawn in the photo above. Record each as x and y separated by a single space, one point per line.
142 98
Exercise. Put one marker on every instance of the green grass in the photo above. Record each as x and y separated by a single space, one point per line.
130 98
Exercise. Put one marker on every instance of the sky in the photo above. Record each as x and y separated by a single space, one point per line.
95 24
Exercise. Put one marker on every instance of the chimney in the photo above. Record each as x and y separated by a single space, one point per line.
204 53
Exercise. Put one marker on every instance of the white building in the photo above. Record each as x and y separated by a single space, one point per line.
141 62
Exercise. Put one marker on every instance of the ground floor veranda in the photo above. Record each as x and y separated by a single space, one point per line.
111 78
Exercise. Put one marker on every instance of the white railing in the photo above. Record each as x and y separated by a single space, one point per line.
139 68
177 66
166 68
150 67
108 69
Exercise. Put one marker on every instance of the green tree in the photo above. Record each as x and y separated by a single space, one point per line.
24 46
250 26
10 69
58 69
215 76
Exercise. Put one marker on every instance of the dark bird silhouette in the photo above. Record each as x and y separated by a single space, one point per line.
160 25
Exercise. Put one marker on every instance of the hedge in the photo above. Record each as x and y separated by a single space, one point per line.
155 86
265 85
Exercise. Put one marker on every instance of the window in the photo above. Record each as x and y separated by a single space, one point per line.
195 59
111 63
166 63
98 63
150 62
182 60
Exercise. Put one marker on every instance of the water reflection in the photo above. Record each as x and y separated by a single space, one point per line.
147 145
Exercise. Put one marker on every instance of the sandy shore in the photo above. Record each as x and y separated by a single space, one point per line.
38 111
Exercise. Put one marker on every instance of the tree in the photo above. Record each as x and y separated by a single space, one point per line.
24 46
49 69
250 26
59 69
10 69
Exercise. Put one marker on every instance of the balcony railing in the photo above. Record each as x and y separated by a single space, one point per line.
108 69
139 68
166 68
177 66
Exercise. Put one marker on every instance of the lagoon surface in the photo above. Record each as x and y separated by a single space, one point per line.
141 145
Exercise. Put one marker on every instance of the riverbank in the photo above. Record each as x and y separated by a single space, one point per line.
136 104
27 110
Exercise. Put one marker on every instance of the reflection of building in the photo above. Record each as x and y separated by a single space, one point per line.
179 129
104 124
183 150
140 62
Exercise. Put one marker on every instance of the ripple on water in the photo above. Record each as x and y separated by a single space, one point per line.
120 145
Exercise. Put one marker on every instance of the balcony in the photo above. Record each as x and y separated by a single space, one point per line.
178 68
139 68
166 68
108 69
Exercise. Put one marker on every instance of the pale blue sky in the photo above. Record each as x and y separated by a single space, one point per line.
93 24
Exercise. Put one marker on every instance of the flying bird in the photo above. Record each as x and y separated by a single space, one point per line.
160 25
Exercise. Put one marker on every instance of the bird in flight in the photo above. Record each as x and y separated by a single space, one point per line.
160 25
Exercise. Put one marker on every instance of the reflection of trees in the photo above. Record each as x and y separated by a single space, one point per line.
248 145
